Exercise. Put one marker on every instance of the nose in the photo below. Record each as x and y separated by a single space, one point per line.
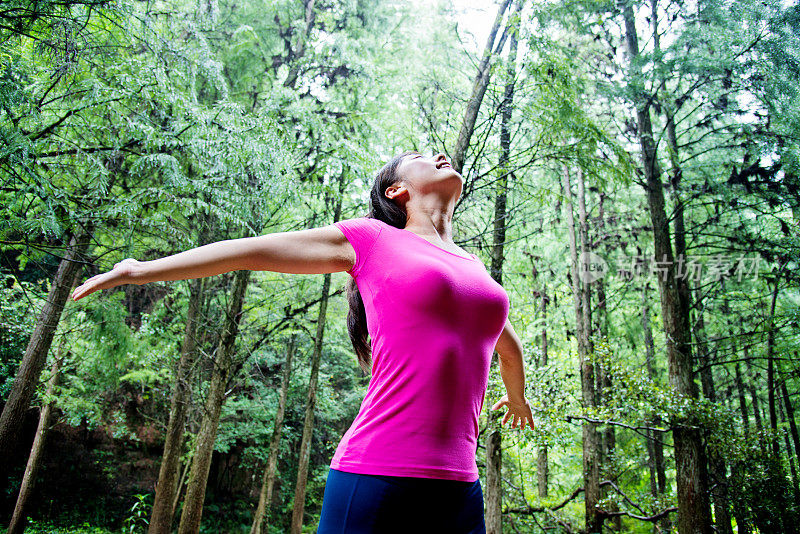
440 158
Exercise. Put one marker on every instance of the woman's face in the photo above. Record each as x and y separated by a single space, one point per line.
426 174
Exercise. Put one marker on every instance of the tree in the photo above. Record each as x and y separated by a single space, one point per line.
581 297
308 423
224 363
268 483
693 510
167 486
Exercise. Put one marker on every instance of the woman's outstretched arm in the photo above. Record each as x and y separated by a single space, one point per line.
312 251
512 371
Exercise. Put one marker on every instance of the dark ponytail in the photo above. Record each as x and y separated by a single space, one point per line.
385 210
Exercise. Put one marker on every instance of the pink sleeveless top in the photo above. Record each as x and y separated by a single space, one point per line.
433 318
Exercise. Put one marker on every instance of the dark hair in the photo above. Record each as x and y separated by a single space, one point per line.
385 210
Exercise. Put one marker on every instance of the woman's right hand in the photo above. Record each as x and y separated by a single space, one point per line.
520 411
123 272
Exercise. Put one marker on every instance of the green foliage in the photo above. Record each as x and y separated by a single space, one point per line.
17 301
46 527
760 487
137 521
231 516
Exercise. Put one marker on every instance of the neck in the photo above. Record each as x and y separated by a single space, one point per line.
431 217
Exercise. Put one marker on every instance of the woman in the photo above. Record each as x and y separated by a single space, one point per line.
433 316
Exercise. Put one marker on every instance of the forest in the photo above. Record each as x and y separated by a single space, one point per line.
631 178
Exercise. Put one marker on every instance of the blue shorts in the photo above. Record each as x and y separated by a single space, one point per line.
380 504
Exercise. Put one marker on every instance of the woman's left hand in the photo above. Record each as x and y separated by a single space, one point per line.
521 412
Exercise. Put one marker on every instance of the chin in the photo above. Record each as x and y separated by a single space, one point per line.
453 172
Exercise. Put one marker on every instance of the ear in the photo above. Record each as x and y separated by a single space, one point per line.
396 190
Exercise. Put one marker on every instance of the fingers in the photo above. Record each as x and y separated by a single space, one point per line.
82 290
503 401
120 274
508 414
522 421
517 420
519 415
95 283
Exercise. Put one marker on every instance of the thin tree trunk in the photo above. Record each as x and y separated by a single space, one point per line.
783 502
609 438
494 437
790 457
478 91
308 424
742 401
694 515
224 362
740 514
591 468
592 438
265 496
179 486
773 416
717 467
299 49
167 485
17 525
754 399
35 357
787 404
542 468
655 446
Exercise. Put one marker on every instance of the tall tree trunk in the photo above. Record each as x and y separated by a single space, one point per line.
494 439
180 485
17 525
650 435
224 363
299 49
35 357
754 398
478 90
591 468
742 402
542 468
609 438
736 469
308 424
591 437
790 456
167 485
655 445
265 496
717 464
717 467
782 501
787 405
694 515
773 415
